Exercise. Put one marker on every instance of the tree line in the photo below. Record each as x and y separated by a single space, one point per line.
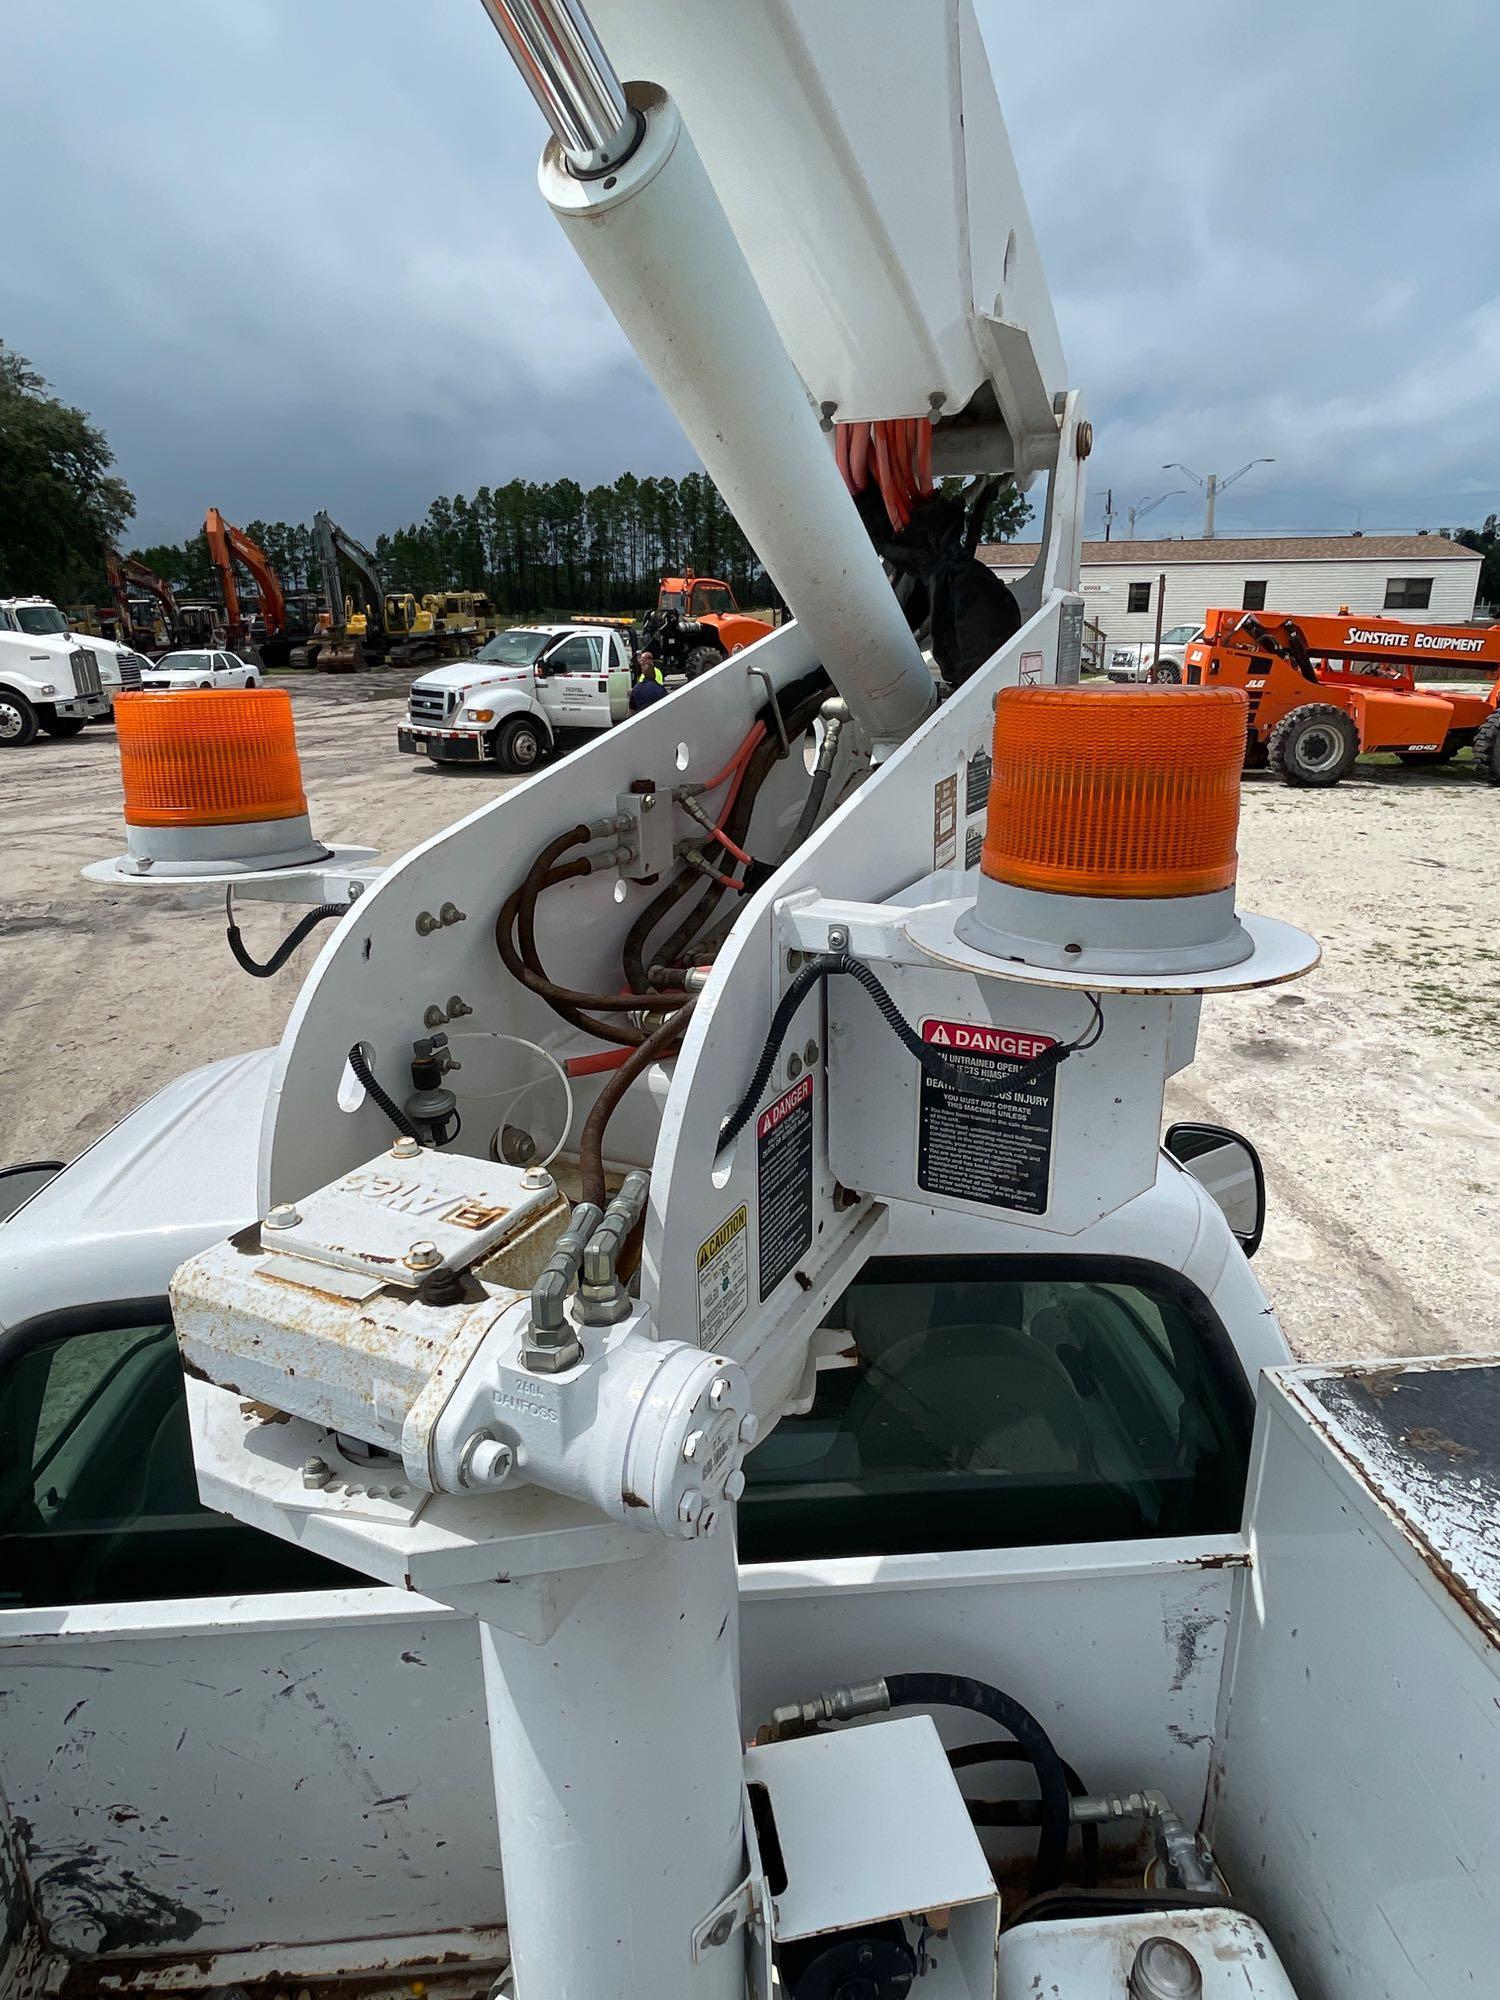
529 545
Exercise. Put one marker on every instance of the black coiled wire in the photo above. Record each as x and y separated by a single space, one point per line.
931 1060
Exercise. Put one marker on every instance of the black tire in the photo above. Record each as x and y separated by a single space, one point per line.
519 745
1167 674
1418 760
700 659
1486 749
64 725
1313 747
18 723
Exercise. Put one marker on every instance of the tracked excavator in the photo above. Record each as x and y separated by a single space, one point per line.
156 634
262 635
375 626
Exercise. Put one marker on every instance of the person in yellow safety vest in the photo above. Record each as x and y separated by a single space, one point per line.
648 685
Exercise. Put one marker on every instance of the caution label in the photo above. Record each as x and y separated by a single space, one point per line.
945 821
723 1277
784 1167
992 1150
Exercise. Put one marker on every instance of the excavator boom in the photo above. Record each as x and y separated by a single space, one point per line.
228 545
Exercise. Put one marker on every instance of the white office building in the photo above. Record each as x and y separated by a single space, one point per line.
1398 576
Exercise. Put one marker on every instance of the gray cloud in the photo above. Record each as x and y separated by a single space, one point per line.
290 253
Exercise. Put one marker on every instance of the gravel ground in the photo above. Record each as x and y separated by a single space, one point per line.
1372 1088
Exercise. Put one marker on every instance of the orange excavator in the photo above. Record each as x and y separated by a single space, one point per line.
228 545
1326 690
124 573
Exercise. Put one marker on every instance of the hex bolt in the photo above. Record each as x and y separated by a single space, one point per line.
689 1507
427 923
838 937
810 1054
718 1394
734 1486
536 1177
283 1216
423 1256
722 1932
749 1427
406 1148
315 1473
692 1444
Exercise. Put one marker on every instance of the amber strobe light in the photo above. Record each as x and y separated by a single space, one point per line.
1116 791
210 757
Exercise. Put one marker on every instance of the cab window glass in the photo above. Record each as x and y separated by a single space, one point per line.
1001 1403
98 1497
711 598
577 655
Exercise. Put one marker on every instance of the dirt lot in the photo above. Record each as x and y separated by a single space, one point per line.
1373 1089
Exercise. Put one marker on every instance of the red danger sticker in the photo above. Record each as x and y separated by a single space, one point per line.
1012 1043
773 1115
977 1145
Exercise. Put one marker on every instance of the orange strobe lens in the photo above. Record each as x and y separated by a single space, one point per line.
209 757
1116 791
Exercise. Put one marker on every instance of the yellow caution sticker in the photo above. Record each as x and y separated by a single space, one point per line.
723 1277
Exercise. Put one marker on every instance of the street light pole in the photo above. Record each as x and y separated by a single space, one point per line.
1143 507
1212 487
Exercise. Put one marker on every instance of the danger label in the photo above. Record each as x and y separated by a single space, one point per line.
994 1150
784 1172
723 1277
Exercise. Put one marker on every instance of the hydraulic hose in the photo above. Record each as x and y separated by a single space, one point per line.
303 928
591 1139
958 1691
1024 1812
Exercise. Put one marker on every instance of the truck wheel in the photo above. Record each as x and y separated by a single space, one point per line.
1315 745
519 745
63 725
700 659
18 724
1167 674
1486 747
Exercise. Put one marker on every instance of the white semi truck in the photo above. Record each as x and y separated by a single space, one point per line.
50 679
624 1185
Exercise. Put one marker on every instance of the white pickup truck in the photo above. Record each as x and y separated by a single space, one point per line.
511 701
1144 661
49 679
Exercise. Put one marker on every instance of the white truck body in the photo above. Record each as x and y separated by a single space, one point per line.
518 693
120 666
49 679
1143 661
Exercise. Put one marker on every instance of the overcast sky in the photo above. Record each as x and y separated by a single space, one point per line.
290 254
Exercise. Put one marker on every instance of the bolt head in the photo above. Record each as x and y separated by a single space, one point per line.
794 1066
692 1444
718 1394
749 1428
838 937
315 1473
283 1216
406 1149
722 1931
424 1256
536 1177
689 1507
810 1054
734 1486
490 1463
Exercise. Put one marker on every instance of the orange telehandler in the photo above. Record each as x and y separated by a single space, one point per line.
226 546
1324 691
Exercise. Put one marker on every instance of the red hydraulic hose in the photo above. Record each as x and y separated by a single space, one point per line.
599 1061
757 731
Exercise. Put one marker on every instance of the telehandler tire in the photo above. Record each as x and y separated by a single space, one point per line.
1487 749
1313 746
700 660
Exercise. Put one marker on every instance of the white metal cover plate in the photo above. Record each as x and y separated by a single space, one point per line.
872 1825
368 1220
1090 1958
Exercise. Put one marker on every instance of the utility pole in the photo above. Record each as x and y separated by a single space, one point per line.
1109 510
1212 487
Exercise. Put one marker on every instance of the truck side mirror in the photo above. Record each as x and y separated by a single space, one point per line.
1229 1169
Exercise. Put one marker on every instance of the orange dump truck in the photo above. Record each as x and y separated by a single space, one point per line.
1324 691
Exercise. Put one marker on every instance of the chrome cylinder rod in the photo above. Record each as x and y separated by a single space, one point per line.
553 45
